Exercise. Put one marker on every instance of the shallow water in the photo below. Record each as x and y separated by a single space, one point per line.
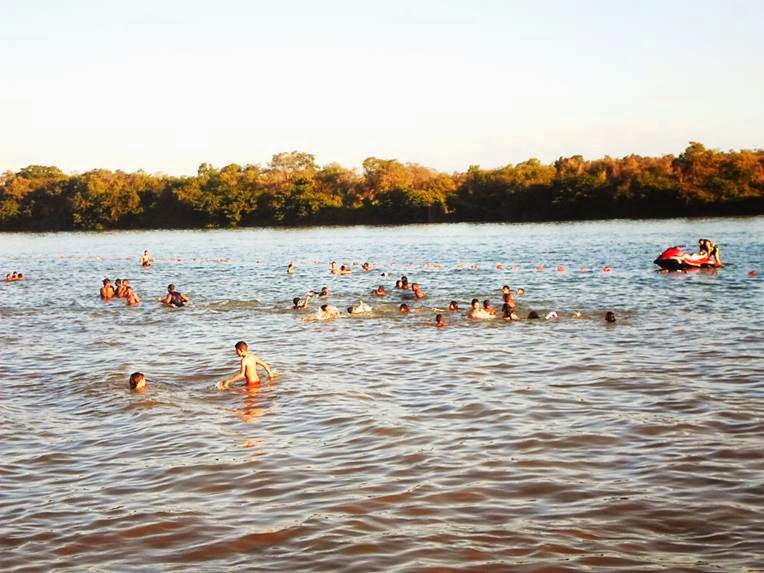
385 444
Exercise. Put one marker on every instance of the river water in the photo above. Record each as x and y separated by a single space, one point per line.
385 444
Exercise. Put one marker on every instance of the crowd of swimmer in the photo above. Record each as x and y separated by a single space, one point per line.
477 310
14 276
122 289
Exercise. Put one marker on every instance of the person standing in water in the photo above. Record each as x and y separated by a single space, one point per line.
146 259
248 371
107 291
174 298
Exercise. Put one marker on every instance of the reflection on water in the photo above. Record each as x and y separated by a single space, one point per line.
386 444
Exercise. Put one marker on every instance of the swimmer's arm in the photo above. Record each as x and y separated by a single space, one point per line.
265 367
230 380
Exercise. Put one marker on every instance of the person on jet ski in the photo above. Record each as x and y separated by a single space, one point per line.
708 247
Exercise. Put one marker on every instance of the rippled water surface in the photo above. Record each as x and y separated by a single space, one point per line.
385 444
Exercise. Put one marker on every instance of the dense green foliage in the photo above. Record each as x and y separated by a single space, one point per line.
293 190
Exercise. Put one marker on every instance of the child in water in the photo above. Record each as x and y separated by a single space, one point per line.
248 371
137 382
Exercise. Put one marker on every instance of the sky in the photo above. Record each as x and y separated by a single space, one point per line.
163 86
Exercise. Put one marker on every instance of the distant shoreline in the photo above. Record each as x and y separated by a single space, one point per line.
292 191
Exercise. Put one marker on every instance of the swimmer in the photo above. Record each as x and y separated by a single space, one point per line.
379 291
333 268
174 298
122 288
508 312
300 303
439 322
324 293
366 267
476 311
488 308
248 371
404 308
146 259
345 270
107 291
326 312
360 308
291 269
398 284
137 382
131 297
533 315
507 297
417 290
610 316
453 306
404 282
520 291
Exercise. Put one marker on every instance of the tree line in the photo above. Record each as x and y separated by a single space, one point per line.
293 190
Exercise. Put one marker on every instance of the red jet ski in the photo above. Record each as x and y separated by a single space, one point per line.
675 259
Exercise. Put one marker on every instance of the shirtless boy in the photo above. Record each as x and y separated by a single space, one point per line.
248 372
131 297
146 259
107 291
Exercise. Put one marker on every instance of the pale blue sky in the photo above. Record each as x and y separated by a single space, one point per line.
165 86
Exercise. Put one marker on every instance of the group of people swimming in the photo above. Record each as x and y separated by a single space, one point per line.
407 290
477 310
122 289
14 276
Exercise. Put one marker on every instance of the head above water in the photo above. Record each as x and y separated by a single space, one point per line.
403 307
137 381
610 316
241 346
533 315
453 305
171 287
